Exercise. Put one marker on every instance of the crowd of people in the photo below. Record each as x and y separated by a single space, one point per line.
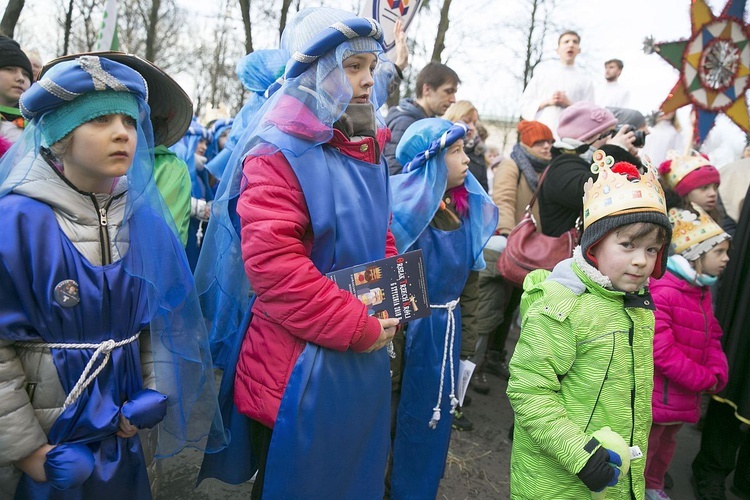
143 250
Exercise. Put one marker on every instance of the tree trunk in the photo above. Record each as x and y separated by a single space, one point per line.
245 8
528 70
284 12
67 28
10 17
153 20
442 29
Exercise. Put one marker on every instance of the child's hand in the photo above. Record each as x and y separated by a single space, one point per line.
127 429
402 51
387 331
713 388
33 465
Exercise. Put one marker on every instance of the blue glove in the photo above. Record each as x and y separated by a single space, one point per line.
145 409
68 465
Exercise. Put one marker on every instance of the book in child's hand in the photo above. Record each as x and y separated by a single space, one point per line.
390 288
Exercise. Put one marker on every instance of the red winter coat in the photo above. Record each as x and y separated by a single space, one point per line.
688 358
295 303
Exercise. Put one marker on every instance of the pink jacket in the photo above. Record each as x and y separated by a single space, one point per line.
688 358
295 303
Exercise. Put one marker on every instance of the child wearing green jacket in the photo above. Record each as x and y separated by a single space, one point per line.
584 359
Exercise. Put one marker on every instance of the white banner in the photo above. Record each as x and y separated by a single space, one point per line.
108 33
387 12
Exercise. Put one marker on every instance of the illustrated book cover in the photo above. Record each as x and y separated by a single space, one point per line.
390 288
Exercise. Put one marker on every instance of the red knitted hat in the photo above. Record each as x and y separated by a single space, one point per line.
702 176
533 131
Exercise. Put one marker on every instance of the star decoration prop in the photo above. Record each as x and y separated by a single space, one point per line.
714 66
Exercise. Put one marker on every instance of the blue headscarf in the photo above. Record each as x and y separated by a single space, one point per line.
218 128
257 71
185 150
313 93
418 191
182 364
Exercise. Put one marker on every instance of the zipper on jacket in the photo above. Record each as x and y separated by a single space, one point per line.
705 325
665 397
104 241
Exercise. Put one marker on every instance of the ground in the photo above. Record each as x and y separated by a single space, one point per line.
478 464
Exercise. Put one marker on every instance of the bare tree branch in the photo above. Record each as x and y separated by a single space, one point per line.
10 17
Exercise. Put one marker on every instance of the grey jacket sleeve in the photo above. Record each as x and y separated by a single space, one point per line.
20 431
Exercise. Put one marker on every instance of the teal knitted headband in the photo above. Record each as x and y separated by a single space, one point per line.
66 118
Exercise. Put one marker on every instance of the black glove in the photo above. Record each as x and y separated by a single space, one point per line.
601 470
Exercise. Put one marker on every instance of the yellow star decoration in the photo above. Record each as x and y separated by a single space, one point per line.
714 66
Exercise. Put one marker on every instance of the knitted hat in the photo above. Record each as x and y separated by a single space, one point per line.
583 120
621 196
12 55
533 131
70 115
694 232
627 116
683 173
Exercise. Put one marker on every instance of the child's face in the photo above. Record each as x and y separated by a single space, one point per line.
200 149
100 151
14 81
457 164
359 69
627 262
715 260
705 196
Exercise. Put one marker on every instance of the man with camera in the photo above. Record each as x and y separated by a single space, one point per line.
584 128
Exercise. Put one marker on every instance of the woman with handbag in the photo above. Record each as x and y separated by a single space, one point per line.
516 179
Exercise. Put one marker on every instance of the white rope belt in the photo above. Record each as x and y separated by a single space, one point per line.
104 349
450 337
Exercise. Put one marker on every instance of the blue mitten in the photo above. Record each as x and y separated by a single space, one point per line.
145 409
68 465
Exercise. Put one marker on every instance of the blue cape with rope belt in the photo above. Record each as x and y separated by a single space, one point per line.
332 431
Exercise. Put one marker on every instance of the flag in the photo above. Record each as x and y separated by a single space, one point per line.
387 12
108 32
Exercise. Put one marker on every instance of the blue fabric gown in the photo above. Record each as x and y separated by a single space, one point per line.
419 452
332 433
113 305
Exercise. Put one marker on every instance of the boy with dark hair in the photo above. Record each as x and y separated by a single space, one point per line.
15 78
584 360
436 91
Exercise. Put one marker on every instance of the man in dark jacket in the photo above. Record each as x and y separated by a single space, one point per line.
436 91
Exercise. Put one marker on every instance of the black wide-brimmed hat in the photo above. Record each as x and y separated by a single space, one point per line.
171 108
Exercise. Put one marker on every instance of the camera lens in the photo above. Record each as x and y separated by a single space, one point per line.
640 138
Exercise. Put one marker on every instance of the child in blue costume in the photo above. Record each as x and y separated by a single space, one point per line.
191 149
257 71
440 208
100 329
224 306
311 371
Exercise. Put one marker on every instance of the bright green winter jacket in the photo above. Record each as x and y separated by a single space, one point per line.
173 182
584 360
